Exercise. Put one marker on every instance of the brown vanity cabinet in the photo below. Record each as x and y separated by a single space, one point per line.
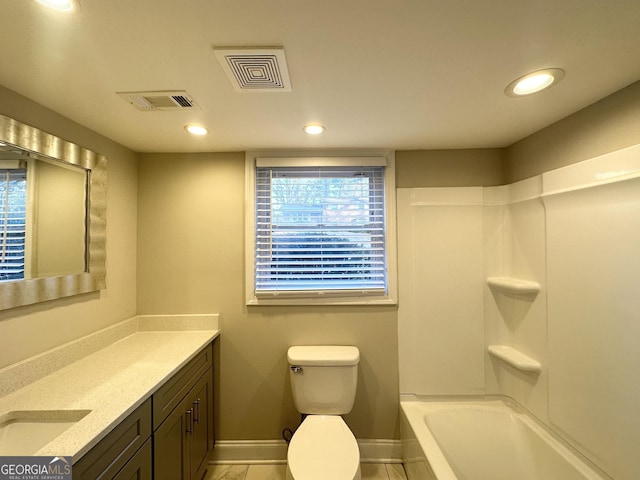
183 432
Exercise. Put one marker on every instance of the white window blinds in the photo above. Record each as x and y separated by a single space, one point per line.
13 212
320 230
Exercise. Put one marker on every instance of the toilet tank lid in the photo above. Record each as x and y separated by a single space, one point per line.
323 355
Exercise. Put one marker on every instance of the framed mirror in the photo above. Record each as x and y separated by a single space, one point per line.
52 217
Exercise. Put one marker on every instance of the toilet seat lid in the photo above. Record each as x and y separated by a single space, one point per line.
323 448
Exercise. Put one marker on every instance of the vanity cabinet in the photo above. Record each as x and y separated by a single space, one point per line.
168 437
183 422
124 453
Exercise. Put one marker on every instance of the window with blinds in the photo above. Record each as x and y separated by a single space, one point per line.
320 231
13 215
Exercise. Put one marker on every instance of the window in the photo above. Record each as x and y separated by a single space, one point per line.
13 219
319 230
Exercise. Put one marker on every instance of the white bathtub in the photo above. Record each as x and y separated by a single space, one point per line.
483 440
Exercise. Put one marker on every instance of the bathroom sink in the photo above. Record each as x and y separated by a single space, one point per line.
25 432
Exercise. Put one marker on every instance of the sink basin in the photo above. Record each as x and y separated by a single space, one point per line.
27 431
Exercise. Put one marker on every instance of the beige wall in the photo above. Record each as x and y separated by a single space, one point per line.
27 331
191 260
610 124
450 168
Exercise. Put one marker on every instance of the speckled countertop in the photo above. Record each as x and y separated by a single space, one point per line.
111 383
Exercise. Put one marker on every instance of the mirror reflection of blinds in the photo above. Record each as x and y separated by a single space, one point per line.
320 231
13 213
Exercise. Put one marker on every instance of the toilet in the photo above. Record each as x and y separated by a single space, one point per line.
323 383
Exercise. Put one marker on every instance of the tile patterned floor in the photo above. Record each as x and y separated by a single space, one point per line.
369 471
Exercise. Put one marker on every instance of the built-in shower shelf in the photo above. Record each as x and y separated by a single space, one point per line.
515 358
513 285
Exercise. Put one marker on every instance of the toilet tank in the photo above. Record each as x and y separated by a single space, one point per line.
323 378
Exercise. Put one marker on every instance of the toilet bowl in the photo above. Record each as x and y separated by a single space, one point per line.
323 448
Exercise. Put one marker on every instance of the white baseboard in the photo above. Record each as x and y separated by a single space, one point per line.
249 452
380 451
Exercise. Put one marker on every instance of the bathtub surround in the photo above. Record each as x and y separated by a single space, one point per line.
515 247
566 351
440 257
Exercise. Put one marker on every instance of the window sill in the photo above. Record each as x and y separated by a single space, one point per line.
372 300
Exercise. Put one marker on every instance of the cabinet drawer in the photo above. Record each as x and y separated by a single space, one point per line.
171 393
108 457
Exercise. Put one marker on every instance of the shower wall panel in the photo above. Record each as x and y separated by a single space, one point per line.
593 244
440 313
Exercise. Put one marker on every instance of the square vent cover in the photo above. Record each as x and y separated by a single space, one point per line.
159 100
255 69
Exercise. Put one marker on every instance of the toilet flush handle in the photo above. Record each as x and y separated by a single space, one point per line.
295 369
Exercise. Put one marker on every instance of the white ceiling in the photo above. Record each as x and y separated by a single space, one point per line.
412 74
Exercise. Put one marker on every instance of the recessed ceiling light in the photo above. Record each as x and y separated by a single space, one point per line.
314 129
64 5
534 82
196 129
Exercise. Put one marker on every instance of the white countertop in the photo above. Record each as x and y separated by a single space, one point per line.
111 382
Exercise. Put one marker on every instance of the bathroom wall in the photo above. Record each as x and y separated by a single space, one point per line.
605 126
27 331
450 168
191 260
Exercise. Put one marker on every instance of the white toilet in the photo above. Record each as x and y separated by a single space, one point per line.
323 383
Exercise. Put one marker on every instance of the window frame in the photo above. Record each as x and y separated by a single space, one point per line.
311 158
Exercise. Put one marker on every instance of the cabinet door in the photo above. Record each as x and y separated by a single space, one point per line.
170 444
108 457
169 396
139 467
201 439
183 442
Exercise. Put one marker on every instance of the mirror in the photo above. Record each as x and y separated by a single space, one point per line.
52 217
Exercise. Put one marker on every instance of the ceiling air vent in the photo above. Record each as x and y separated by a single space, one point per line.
256 69
160 100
